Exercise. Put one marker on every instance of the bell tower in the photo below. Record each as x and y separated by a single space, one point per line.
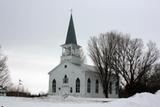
71 50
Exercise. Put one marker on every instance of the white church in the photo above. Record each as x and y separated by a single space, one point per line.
73 77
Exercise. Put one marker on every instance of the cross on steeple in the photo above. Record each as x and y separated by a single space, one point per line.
71 10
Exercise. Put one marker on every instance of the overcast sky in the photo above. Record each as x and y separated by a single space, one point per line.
31 31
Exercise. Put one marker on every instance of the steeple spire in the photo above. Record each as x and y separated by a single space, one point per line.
71 35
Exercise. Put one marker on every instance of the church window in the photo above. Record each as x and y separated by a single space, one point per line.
77 85
71 90
110 87
54 86
65 79
89 86
117 87
97 86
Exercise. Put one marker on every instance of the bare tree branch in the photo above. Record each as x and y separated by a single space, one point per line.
4 73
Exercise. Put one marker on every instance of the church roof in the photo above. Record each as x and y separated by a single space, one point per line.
89 68
71 35
85 67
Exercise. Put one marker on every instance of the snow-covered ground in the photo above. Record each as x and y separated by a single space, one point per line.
138 100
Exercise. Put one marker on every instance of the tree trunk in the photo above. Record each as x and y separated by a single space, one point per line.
105 91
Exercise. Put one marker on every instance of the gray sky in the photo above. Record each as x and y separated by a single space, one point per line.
31 31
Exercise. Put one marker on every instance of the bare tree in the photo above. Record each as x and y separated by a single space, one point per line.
4 73
132 63
154 79
127 58
155 76
101 50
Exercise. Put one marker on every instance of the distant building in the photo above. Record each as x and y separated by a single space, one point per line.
73 77
3 91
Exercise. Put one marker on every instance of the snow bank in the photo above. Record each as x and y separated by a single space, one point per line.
138 100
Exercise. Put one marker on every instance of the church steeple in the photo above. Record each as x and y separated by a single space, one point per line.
71 50
71 35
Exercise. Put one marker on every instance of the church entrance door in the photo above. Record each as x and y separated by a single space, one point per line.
65 90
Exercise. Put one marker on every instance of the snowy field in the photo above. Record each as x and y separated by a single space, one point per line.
138 100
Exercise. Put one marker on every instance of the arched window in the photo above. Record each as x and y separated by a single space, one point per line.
54 86
110 87
97 86
70 89
65 79
117 87
77 85
89 85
